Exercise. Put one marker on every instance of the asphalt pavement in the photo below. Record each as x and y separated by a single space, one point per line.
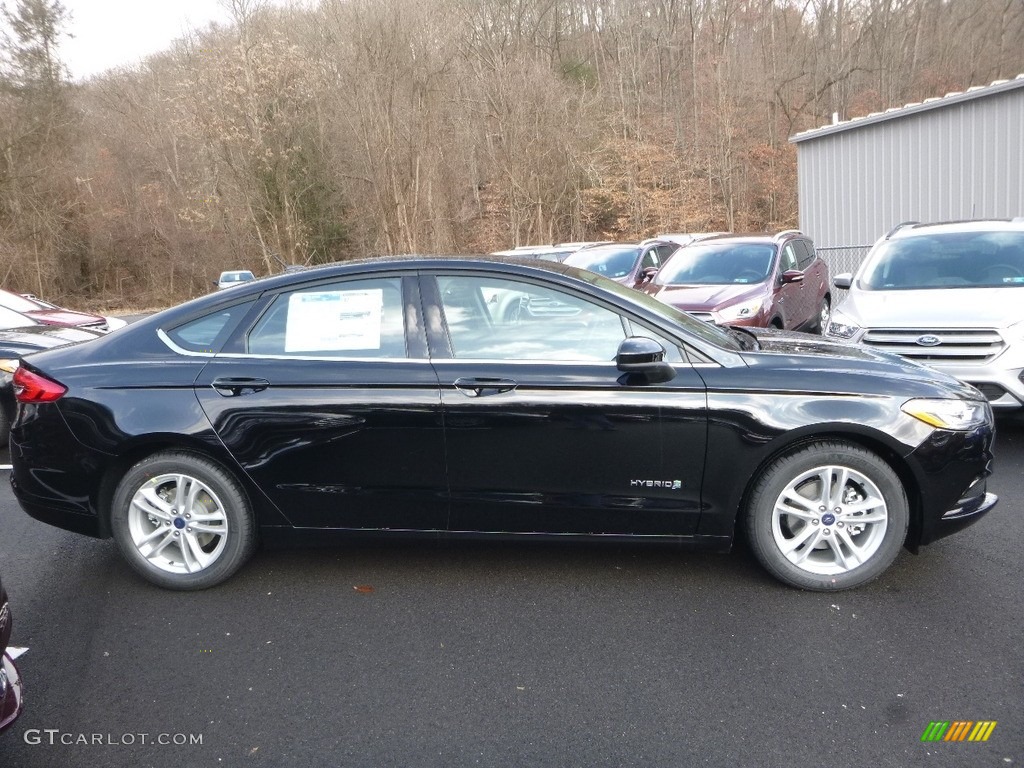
517 655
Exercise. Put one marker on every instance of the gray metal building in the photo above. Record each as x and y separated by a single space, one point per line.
960 156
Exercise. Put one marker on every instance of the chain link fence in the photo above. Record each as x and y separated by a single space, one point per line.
840 259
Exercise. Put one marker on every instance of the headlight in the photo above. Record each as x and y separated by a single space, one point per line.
958 415
740 311
840 330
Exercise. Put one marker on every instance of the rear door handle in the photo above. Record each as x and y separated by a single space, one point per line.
484 386
233 387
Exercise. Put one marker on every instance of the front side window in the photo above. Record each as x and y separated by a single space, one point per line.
788 260
650 259
500 319
354 318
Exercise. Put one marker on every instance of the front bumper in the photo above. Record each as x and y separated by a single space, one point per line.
11 693
967 512
952 468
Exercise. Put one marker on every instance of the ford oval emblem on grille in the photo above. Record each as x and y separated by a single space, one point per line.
929 341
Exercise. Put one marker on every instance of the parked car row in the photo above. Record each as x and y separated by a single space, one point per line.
762 281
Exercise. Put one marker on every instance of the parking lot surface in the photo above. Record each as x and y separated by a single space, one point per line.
517 655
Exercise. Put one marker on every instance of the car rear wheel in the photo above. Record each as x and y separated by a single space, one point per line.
182 521
828 516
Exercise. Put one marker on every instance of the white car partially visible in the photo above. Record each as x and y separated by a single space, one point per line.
234 277
948 295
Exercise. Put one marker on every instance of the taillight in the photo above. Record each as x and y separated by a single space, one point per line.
31 387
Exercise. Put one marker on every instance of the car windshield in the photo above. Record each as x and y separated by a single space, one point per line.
718 264
946 260
608 260
234 277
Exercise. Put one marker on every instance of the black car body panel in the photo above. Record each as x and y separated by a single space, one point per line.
427 443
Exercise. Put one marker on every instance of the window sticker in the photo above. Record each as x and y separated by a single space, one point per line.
334 320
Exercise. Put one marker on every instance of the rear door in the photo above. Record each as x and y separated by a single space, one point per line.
330 405
543 434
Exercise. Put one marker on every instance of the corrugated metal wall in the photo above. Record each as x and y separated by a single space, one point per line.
944 162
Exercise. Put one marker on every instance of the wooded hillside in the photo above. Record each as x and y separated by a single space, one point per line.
361 127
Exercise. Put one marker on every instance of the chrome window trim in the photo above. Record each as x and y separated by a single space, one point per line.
162 335
245 356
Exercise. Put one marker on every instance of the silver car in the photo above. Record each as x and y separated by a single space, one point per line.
947 295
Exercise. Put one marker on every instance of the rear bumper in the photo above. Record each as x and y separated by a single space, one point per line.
11 693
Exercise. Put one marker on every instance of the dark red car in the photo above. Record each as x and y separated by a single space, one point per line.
49 314
753 280
11 700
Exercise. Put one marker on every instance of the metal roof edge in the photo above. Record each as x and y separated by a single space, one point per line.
936 102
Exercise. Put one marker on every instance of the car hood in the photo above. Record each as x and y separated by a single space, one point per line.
853 362
936 308
704 297
15 342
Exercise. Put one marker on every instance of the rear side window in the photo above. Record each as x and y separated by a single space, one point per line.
207 334
353 318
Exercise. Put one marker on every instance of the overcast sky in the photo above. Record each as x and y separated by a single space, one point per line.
111 33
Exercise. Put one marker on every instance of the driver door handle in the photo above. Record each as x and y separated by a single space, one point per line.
233 387
484 386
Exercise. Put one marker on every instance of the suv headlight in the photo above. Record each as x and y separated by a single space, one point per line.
740 311
957 415
840 330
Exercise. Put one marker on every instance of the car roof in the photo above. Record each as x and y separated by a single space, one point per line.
913 228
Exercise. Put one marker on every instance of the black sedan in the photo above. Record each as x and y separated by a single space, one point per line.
393 398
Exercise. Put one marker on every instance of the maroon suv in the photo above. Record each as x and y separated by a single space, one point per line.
754 280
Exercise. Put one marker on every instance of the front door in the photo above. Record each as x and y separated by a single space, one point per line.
542 434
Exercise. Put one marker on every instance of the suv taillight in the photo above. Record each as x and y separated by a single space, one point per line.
33 388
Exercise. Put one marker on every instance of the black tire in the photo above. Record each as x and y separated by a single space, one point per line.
832 546
176 547
824 315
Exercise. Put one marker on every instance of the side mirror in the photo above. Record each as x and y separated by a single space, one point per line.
643 361
843 281
647 274
791 276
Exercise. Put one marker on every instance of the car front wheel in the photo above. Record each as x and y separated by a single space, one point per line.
824 315
827 516
182 521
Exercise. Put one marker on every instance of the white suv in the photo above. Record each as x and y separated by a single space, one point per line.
947 295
